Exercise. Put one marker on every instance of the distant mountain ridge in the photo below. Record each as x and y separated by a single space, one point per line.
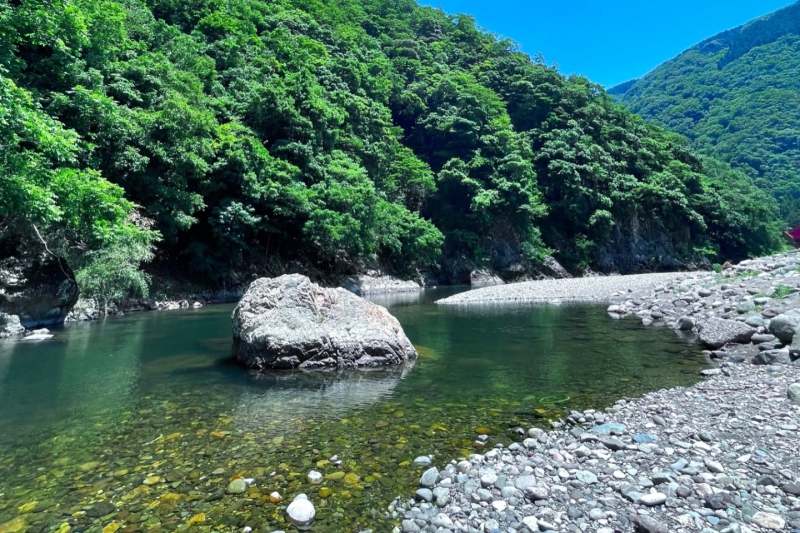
737 96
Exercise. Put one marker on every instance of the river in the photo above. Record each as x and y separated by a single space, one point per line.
138 423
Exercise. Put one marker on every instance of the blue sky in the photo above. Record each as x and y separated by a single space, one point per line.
609 41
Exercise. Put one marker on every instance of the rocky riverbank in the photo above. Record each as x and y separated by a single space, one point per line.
718 456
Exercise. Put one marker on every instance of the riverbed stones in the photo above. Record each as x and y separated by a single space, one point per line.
712 454
301 512
290 322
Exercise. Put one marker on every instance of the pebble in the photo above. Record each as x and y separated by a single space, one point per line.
653 499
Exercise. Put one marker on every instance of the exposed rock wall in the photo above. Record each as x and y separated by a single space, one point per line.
638 246
35 285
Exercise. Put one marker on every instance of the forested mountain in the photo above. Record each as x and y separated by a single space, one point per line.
737 96
330 132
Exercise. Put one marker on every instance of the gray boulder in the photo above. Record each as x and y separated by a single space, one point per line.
685 323
716 332
376 283
290 322
768 357
784 327
755 321
484 278
553 268
10 326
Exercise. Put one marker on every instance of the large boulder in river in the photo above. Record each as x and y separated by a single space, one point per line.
716 332
290 322
35 285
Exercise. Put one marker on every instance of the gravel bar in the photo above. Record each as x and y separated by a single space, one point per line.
719 457
600 288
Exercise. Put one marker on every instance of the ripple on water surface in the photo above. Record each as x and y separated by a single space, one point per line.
141 422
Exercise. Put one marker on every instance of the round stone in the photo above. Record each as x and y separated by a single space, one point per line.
237 486
301 512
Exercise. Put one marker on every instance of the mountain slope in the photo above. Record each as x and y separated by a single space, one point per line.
737 96
336 133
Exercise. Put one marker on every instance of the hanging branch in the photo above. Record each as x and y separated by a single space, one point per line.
58 258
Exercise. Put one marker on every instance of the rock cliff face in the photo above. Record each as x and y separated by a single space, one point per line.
34 285
638 246
290 322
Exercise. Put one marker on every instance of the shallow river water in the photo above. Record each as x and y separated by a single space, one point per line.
140 422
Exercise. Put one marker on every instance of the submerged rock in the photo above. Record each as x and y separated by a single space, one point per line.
301 512
290 322
237 486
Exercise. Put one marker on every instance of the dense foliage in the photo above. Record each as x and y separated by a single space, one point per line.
42 192
736 96
343 130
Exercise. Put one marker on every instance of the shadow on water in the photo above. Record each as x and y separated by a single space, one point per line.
156 397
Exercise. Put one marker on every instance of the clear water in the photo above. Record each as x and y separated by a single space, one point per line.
147 412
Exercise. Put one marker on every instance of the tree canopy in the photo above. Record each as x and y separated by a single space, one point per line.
335 132
736 96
